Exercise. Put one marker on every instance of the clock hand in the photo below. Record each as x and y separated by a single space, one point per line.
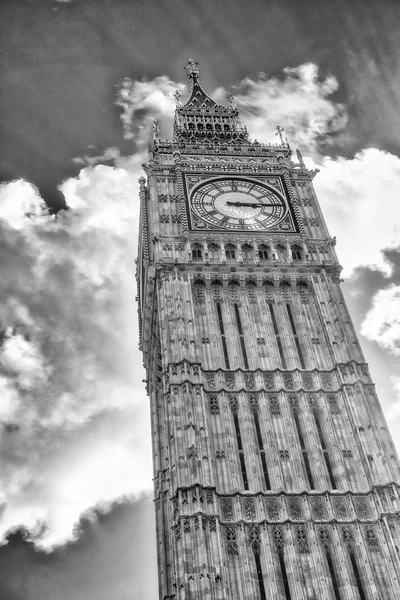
250 204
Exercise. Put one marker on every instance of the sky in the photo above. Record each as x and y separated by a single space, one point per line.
81 82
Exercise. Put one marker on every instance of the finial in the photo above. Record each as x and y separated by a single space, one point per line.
300 158
192 69
177 97
156 130
232 101
279 130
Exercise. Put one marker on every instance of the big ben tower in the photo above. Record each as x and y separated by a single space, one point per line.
275 474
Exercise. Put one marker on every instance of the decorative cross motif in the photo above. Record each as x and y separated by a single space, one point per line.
192 69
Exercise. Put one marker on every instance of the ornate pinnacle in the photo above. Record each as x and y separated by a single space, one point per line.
156 130
279 130
192 69
177 97
300 158
232 101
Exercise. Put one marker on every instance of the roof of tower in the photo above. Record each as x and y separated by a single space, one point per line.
198 96
203 118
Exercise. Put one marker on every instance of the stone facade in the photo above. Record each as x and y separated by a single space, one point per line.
275 474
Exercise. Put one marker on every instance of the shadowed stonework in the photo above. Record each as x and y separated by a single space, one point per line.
275 474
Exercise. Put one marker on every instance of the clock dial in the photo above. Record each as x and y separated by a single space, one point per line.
239 204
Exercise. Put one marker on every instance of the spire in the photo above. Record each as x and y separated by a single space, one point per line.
203 119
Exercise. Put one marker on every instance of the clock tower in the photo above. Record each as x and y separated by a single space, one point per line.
275 475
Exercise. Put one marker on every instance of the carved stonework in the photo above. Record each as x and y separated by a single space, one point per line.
284 455
249 509
269 381
274 406
326 381
210 379
234 404
227 509
272 510
362 509
278 539
308 382
318 509
325 537
302 542
371 538
249 381
253 400
288 381
231 540
295 508
214 405
334 405
340 508
230 381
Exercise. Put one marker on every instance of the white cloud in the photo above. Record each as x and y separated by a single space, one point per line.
75 421
298 101
382 322
359 198
143 101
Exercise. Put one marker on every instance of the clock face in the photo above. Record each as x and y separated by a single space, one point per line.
238 204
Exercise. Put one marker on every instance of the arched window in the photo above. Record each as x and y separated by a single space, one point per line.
196 252
234 290
285 291
199 291
269 291
247 251
252 292
297 253
281 251
230 252
263 252
213 250
303 291
217 291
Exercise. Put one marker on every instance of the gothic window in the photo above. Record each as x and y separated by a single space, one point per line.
285 291
223 336
196 252
239 444
199 292
263 252
240 331
277 336
247 251
269 291
217 291
230 252
297 253
303 292
295 336
252 293
234 292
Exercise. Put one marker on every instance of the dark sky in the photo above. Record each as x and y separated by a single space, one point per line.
60 65
61 62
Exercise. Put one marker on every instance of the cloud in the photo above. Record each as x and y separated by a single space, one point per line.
359 198
382 322
75 429
299 101
142 101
